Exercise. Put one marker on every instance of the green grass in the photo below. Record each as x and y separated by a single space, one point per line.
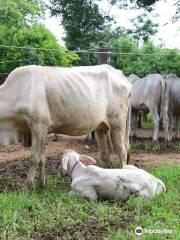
52 214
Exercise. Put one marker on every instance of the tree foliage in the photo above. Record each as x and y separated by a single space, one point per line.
20 13
144 28
144 60
146 4
82 20
139 3
19 26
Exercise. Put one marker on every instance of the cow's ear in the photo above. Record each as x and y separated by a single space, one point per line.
65 163
86 160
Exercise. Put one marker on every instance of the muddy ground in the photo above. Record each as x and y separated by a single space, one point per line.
14 158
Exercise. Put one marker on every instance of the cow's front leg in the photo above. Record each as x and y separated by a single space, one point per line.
39 132
33 162
42 170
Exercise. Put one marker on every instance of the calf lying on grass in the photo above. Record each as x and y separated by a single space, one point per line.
91 182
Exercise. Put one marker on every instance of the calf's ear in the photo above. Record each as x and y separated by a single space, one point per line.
86 160
65 163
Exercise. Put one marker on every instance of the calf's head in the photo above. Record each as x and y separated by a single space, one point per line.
70 157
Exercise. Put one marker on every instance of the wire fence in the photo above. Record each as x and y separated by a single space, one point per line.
90 51
95 51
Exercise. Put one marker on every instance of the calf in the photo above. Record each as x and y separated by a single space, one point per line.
91 182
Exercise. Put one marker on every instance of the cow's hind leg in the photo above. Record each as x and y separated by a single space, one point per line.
177 126
156 120
133 132
166 125
171 122
102 134
39 133
119 145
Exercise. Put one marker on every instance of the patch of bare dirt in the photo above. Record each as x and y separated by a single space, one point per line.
14 158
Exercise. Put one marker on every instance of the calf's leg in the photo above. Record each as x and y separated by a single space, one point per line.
87 192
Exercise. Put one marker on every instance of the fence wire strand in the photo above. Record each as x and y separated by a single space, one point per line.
91 51
87 51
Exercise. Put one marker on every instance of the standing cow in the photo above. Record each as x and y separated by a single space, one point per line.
71 101
150 94
174 103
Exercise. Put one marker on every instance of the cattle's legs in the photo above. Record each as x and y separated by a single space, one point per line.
119 145
42 170
171 121
102 139
156 120
133 124
166 125
109 142
177 126
39 133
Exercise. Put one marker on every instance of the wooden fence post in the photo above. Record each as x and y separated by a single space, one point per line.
103 54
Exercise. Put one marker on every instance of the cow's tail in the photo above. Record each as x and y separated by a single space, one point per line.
164 106
127 131
164 97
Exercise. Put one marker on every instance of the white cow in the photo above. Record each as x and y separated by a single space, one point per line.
91 182
174 103
150 94
133 78
71 101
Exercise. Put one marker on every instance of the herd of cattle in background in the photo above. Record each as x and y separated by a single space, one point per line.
159 95
36 100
